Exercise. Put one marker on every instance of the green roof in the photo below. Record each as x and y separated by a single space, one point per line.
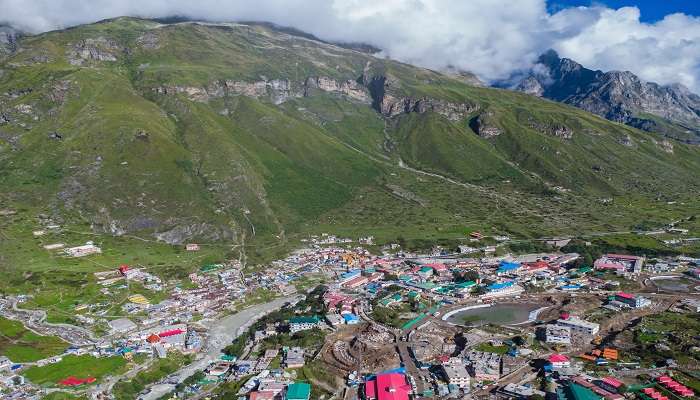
579 392
413 294
304 320
298 391
426 269
465 284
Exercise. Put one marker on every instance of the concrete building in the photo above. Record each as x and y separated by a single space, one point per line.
456 374
557 334
294 357
578 325
631 300
121 325
297 324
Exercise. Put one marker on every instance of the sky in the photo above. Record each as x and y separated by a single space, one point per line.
658 40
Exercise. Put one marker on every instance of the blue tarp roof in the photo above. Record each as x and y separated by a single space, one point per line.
504 266
500 285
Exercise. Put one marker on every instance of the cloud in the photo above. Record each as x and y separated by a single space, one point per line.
492 38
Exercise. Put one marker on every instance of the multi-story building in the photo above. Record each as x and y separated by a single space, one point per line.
557 334
456 374
579 325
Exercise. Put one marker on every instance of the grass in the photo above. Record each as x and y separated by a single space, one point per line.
245 175
78 366
22 345
492 349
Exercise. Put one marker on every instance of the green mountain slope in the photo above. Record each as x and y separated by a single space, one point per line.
240 132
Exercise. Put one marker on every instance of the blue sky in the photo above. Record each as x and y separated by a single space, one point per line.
652 10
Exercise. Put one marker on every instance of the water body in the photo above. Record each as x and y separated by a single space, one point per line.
497 314
674 285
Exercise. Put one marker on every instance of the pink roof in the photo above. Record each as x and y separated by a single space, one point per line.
437 266
558 358
171 333
624 295
622 256
612 381
392 386
664 378
648 390
371 389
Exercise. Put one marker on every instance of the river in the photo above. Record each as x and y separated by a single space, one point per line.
221 334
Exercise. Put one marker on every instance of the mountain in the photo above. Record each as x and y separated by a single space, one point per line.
249 134
618 96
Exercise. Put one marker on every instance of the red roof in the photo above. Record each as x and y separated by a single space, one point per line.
558 358
437 266
171 333
153 338
123 268
624 295
612 381
536 265
664 378
391 386
73 381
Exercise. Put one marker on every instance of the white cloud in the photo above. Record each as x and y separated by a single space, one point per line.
493 38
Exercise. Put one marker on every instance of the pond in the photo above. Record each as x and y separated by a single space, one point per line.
498 314
675 284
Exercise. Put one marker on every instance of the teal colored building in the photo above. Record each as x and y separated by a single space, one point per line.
298 391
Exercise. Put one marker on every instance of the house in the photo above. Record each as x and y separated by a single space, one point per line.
631 300
297 324
387 386
507 267
294 357
559 361
298 391
502 289
192 247
334 319
610 384
351 319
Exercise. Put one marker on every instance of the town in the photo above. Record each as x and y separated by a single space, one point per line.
333 320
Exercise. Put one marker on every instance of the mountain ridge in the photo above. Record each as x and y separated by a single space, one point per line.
247 134
619 96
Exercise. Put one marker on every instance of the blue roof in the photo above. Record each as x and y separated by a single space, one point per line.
352 273
500 285
504 266
350 317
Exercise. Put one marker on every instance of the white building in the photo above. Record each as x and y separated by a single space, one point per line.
121 325
82 251
579 325
557 334
456 374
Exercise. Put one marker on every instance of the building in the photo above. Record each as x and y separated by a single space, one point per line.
82 251
610 384
298 391
121 325
297 324
557 334
456 374
192 247
502 289
351 319
559 361
294 357
334 319
578 325
485 366
507 267
631 300
521 391
387 386
619 263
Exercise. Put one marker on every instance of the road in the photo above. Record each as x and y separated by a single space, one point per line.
221 333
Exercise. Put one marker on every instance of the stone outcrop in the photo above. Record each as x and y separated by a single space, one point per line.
555 129
483 126
349 88
390 104
97 49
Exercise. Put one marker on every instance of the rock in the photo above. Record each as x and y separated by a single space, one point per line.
350 88
98 49
149 40
484 127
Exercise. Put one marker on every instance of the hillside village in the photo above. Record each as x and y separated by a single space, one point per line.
347 323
